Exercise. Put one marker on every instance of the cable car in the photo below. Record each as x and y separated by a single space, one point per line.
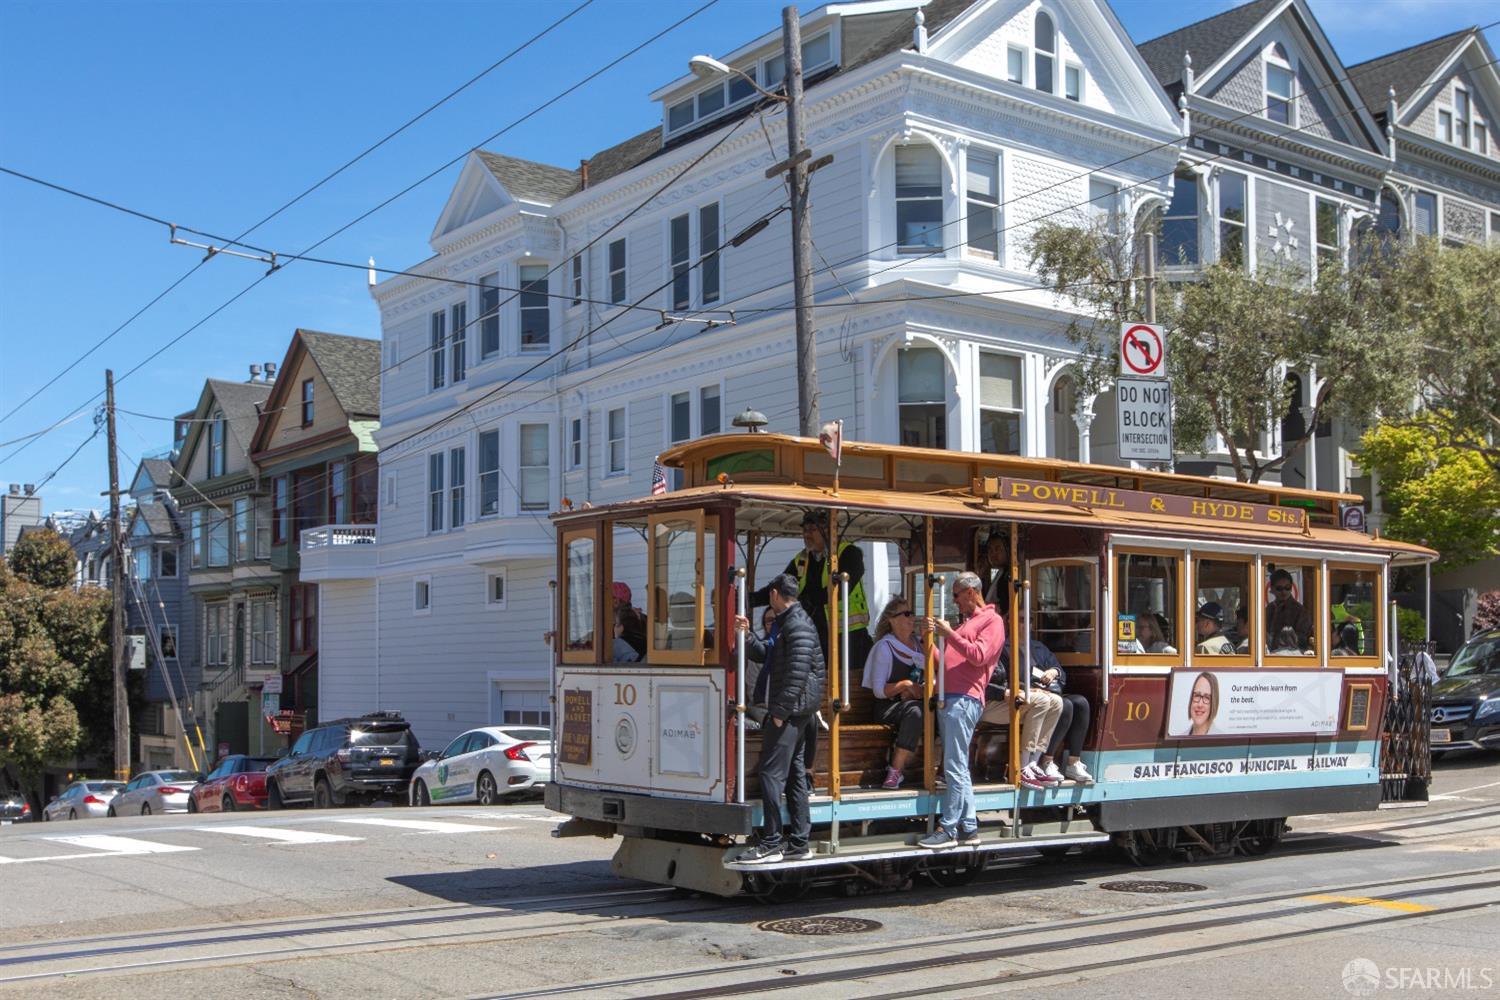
1203 733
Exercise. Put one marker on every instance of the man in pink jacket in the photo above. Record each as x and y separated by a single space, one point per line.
969 659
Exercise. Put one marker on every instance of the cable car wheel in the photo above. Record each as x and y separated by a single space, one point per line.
954 872
775 887
1259 837
1149 847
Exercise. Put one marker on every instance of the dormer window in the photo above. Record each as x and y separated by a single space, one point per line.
1045 40
1280 86
724 95
1459 126
216 445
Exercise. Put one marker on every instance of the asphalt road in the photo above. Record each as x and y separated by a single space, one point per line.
469 901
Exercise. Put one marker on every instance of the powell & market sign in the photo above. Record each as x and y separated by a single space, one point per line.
1072 495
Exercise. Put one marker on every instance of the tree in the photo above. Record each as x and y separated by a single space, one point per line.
1450 297
1442 495
1234 337
43 558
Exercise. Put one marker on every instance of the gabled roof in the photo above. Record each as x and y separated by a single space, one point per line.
350 366
157 516
1206 41
240 402
530 180
1404 70
155 471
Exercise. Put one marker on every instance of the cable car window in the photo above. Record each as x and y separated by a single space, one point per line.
1062 609
1221 609
578 596
1290 600
675 606
1148 605
1353 615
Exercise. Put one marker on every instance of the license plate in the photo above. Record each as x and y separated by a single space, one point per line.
1441 736
387 761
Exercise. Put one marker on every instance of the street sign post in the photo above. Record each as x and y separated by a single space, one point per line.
1144 419
1143 351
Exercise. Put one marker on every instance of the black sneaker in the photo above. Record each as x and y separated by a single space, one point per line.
796 854
759 854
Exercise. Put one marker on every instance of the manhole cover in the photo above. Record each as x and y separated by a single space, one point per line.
820 926
1152 885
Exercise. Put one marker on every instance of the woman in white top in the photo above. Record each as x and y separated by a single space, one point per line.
894 673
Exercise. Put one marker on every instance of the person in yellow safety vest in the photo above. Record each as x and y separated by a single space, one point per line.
1344 612
814 578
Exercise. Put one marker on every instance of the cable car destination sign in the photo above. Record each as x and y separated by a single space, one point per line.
1104 498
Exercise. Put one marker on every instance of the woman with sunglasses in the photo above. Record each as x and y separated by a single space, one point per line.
894 674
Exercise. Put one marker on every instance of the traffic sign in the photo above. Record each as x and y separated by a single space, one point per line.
1143 408
1143 351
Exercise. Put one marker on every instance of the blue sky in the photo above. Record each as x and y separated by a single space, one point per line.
213 114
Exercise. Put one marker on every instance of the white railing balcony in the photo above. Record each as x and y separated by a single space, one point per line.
337 552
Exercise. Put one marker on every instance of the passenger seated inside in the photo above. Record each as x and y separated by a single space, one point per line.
1285 611
1040 711
1348 640
895 674
1072 722
1149 636
634 633
1285 643
1211 638
1240 634
627 621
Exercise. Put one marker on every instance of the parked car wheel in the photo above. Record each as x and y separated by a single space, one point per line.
273 796
145 809
192 805
72 814
322 795
110 812
485 789
419 795
228 804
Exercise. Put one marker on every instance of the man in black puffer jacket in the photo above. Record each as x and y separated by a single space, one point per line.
793 658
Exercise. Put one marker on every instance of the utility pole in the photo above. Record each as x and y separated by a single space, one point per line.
797 156
117 649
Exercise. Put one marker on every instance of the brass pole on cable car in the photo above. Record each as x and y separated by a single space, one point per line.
1016 639
835 614
929 720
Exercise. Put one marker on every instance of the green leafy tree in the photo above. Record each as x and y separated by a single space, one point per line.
38 719
1234 337
43 558
1436 493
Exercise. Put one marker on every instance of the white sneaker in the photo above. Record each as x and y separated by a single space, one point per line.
1051 771
1036 774
1077 772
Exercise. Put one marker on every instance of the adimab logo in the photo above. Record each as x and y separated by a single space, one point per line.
691 731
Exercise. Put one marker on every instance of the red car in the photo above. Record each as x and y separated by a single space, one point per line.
239 782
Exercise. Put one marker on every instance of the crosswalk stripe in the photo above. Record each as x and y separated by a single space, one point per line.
282 835
120 845
425 825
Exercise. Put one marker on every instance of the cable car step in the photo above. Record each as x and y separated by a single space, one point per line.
907 849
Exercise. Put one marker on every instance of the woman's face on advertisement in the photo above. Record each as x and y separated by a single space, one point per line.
1202 701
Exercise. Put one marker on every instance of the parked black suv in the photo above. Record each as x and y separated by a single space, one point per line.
346 760
1466 699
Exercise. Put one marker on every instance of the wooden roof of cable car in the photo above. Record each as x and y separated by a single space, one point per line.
952 501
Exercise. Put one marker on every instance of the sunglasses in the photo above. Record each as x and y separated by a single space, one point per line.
904 614
1283 589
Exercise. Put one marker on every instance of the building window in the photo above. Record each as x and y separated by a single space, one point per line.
309 500
437 336
1327 233
680 417
1045 62
1461 113
303 618
921 375
458 342
1073 83
1280 86
708 253
1495 229
617 272
167 563
1015 65
489 473
364 472
422 595
338 492
680 237
1424 214
1177 241
457 472
982 207
280 526
709 418
575 443
1104 206
218 537
534 485
307 402
1481 139
577 278
435 491
263 630
524 708
999 404
216 428
216 634
536 331
494 590
1445 126
1232 219
489 316
166 637
391 491
919 198
262 527
244 529
615 440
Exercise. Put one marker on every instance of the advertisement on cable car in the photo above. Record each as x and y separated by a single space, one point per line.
1209 703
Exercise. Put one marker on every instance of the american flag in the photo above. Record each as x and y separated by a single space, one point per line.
658 479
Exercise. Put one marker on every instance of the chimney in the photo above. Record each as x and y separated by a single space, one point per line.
270 371
30 488
583 174
254 372
15 489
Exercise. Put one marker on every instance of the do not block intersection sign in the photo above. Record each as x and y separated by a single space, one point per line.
1144 411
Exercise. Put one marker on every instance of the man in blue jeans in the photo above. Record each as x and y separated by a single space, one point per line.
969 659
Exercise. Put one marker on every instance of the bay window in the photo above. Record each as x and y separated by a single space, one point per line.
458 342
437 337
708 253
921 376
982 201
680 237
457 473
1177 238
999 404
536 332
534 455
919 198
489 473
489 316
1232 219
435 491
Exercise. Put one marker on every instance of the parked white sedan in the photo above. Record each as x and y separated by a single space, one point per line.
82 800
483 764
155 792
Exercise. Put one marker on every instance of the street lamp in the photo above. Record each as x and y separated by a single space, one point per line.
707 68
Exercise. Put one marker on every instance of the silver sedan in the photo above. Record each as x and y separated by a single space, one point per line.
155 792
82 800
